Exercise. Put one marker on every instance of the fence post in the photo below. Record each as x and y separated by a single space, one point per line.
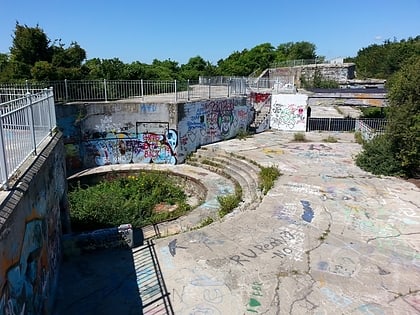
188 89
229 82
3 165
209 88
50 109
176 93
31 121
66 89
142 89
105 91
27 86
329 124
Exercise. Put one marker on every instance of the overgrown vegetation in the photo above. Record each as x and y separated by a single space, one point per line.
126 199
268 176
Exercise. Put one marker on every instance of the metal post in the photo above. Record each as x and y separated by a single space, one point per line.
31 121
176 93
3 162
50 127
66 90
188 89
228 87
209 89
105 91
142 89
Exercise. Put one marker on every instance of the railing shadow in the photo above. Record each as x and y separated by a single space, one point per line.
152 287
112 281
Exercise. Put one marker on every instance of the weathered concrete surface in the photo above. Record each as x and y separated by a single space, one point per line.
329 238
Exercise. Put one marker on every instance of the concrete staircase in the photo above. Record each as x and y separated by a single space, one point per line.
260 116
234 167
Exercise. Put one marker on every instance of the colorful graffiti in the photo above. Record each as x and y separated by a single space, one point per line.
211 121
123 148
288 112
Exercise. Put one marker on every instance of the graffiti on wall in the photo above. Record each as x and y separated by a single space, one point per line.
288 112
125 148
30 277
210 121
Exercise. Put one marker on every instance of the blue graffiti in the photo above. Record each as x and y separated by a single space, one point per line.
308 212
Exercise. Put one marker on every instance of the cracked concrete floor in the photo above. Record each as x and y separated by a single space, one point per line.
329 238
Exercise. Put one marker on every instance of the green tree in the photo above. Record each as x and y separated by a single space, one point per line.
382 61
397 152
295 51
43 71
404 115
196 67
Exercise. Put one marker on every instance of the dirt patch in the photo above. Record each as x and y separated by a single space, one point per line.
415 181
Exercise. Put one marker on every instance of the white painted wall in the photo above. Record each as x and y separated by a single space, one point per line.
288 112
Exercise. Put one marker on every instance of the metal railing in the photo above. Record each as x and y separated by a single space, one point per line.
111 90
147 90
25 121
368 126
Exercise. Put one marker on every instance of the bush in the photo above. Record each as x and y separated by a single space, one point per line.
130 199
378 157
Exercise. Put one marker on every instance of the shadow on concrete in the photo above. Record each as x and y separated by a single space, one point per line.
113 281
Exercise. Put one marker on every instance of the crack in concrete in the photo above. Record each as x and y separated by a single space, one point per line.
310 306
391 236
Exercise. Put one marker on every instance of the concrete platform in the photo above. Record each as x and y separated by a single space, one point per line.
329 238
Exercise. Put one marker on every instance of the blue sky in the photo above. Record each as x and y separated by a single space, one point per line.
144 30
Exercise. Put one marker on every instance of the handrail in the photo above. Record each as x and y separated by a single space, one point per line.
25 122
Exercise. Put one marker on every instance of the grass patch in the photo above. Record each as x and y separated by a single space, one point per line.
268 176
330 139
230 202
299 137
243 134
358 137
205 222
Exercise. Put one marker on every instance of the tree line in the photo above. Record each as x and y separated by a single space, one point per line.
33 56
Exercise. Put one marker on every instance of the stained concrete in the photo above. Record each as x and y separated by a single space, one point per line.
328 238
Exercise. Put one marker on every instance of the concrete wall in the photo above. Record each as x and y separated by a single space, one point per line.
210 121
337 72
288 112
30 234
122 132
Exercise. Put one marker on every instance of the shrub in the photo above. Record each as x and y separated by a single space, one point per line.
378 157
